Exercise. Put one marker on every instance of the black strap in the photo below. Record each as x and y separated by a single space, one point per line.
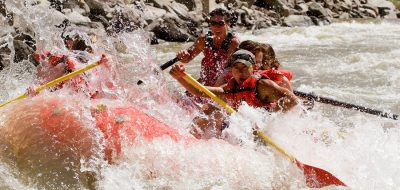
209 40
236 89
225 43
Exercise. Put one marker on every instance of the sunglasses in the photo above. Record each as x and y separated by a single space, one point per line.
217 23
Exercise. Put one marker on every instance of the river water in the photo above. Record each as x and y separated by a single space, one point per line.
354 62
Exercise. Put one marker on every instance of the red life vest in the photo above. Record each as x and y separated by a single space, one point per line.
215 59
77 83
247 91
275 75
55 59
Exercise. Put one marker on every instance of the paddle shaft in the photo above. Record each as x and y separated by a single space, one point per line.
315 97
229 109
169 63
54 82
315 177
346 105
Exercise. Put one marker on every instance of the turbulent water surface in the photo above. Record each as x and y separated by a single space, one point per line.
352 62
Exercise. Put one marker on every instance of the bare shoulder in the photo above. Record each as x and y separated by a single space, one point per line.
234 44
235 40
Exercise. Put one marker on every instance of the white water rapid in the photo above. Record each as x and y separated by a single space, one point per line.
353 62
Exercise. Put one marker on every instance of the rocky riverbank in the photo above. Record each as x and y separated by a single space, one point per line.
183 20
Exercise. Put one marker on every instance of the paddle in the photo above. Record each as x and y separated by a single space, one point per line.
315 97
346 105
54 82
315 177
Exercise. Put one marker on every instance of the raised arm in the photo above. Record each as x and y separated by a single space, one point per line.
187 55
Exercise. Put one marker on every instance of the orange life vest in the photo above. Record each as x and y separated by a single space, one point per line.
247 91
77 83
276 75
55 59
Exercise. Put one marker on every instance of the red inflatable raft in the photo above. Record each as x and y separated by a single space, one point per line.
118 125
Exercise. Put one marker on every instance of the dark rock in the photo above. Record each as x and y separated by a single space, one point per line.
297 20
192 5
182 20
344 16
320 21
98 8
5 52
171 29
238 18
278 5
157 3
24 46
153 13
316 9
368 12
332 14
356 4
329 4
3 9
291 3
355 14
274 16
371 7
57 4
345 5
7 14
302 7
153 38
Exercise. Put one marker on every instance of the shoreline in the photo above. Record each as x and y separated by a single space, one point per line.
172 21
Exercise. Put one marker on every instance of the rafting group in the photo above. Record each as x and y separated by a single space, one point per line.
233 71
236 72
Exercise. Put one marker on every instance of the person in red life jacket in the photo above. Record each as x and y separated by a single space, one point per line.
255 88
217 45
55 65
264 54
266 62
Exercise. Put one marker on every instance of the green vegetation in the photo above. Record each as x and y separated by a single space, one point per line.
396 3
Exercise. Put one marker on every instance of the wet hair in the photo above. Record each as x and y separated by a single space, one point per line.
269 60
248 45
221 12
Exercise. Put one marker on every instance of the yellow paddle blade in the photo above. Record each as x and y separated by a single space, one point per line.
54 82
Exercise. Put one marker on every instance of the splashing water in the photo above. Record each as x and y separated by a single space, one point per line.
358 67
